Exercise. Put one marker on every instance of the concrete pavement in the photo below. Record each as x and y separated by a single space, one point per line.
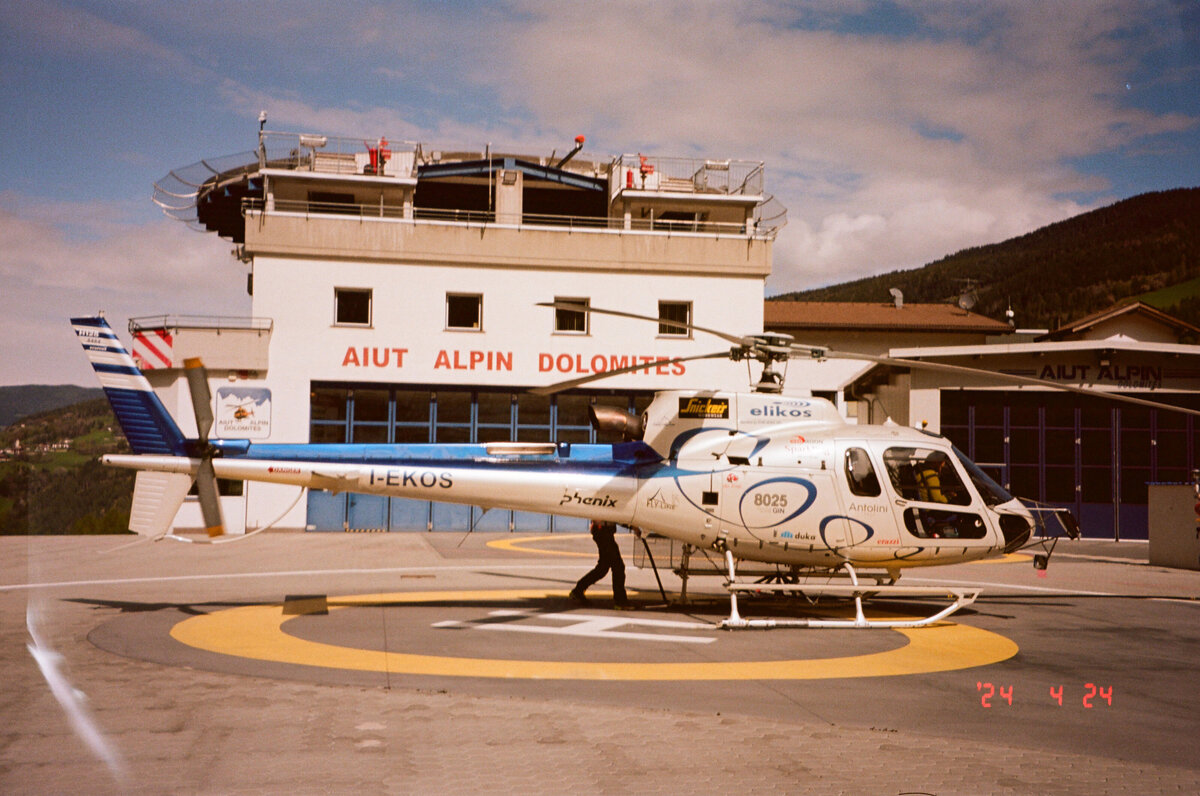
176 719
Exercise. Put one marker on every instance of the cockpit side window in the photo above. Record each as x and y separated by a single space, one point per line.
861 473
925 474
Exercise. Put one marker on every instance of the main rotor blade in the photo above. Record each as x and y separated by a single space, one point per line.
551 389
197 379
569 305
963 370
210 501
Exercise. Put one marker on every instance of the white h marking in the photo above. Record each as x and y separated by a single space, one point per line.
592 625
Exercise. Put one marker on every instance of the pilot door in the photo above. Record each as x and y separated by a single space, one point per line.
932 497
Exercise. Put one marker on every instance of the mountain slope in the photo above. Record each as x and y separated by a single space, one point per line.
53 482
28 399
1138 247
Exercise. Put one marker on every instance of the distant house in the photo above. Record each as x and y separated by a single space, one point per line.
875 327
1091 455
868 328
1132 321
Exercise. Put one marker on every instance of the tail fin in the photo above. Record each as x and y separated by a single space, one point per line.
146 423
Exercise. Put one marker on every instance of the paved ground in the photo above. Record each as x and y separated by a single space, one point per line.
1100 628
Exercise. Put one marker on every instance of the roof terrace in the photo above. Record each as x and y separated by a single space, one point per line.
318 175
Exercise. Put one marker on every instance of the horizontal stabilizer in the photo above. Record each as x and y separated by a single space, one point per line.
156 500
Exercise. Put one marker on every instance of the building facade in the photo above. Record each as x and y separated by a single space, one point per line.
395 299
396 292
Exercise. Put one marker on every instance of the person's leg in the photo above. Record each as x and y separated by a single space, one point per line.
610 555
595 574
618 582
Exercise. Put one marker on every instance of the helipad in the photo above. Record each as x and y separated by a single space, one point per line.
435 662
258 632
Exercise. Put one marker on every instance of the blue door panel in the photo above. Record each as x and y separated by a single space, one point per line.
451 517
326 511
570 524
494 520
409 515
366 512
529 521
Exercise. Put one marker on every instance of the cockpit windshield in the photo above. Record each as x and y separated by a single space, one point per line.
992 493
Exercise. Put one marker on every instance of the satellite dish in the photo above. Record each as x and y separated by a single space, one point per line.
897 297
966 301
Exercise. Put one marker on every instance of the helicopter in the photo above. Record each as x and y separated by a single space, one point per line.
756 477
243 410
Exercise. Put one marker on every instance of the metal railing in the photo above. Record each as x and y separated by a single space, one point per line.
215 323
689 175
484 217
338 154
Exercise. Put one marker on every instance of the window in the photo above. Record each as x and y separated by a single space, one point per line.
925 475
352 306
571 321
464 311
941 524
860 473
678 312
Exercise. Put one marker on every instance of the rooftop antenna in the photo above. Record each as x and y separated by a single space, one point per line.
897 297
262 148
966 296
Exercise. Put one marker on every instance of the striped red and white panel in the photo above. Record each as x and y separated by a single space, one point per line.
152 349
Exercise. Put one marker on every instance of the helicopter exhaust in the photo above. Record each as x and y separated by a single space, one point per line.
618 421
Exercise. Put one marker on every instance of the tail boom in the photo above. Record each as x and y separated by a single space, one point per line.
606 495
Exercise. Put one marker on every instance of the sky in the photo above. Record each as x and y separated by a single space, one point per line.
894 133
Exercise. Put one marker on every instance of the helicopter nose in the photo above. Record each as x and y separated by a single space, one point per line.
1016 530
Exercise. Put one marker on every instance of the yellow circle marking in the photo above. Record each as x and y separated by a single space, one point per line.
517 545
1007 558
256 631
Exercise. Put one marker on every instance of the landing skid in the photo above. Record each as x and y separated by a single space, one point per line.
962 598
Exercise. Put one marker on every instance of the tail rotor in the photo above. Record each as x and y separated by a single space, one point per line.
206 479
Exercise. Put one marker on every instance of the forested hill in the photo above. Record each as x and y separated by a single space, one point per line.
29 399
51 479
1147 247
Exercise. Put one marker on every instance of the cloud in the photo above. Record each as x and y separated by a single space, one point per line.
895 133
885 148
69 258
68 31
889 148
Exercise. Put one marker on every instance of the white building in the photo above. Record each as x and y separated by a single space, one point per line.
394 299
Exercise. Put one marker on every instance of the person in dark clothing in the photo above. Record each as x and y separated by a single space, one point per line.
609 558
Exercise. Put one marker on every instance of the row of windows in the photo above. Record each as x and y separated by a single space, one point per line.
916 474
464 312
403 415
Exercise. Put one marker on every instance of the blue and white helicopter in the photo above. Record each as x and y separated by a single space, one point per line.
756 477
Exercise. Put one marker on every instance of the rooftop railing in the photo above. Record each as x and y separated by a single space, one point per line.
481 217
215 323
689 175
